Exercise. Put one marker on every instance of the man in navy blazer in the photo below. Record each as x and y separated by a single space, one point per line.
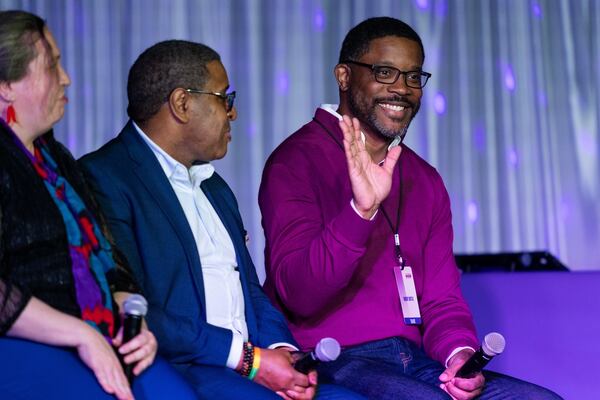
179 226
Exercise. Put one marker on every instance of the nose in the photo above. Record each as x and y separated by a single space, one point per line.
63 77
400 86
232 114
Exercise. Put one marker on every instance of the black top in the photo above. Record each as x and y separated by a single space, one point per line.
34 251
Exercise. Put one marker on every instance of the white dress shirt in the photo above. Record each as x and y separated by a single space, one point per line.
223 293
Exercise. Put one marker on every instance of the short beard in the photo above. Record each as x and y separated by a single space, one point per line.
366 115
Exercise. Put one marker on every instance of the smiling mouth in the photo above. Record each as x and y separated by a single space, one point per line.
393 107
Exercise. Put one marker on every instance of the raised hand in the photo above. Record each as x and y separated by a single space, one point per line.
371 182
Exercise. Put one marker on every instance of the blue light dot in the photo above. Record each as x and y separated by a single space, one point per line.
537 10
513 157
282 82
509 78
439 103
479 138
472 212
422 4
319 20
252 130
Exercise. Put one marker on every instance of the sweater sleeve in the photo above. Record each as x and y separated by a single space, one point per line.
12 298
304 251
448 322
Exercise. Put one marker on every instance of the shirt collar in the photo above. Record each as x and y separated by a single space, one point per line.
173 169
332 109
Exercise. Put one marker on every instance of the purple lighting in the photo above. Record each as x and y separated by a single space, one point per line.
319 20
472 211
542 99
479 138
252 130
509 78
282 82
537 10
439 103
422 4
513 157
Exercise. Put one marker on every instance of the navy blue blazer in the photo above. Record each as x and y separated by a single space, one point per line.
150 227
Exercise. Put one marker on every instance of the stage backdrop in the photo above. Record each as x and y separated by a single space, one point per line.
509 118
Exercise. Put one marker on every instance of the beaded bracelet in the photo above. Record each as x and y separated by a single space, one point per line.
255 364
248 359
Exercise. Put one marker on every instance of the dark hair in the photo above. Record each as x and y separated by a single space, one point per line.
163 68
19 30
357 41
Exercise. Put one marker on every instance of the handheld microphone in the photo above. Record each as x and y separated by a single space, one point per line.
135 308
492 345
328 349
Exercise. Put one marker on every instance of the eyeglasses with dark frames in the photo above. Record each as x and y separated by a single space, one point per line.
229 98
389 75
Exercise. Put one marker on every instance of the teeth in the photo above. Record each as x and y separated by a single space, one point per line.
392 107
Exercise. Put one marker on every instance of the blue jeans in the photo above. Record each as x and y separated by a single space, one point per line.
225 384
30 370
395 368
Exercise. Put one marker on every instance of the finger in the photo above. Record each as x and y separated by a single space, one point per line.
104 382
356 127
300 379
297 395
460 394
117 340
123 391
141 366
391 158
313 378
283 395
138 355
470 384
139 341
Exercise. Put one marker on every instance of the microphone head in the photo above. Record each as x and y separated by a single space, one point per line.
135 304
493 344
328 349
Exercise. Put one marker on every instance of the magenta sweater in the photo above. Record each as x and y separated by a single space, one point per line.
331 271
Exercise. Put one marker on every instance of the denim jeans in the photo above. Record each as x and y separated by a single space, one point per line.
395 368
223 383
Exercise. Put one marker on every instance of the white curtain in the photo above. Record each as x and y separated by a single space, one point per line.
509 118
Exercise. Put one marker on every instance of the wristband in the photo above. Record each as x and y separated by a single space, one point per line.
255 364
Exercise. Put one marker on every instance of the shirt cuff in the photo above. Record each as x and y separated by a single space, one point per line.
456 350
235 351
356 211
283 344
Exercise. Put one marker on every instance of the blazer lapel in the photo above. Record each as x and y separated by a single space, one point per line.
223 207
152 177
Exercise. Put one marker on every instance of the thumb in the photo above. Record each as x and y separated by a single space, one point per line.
117 340
391 158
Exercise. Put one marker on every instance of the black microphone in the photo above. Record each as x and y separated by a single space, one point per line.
135 308
492 345
328 349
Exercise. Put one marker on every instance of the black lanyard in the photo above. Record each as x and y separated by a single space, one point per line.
394 229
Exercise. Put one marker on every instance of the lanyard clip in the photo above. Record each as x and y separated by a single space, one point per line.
398 251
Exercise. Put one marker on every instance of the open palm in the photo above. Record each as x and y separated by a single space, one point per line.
371 182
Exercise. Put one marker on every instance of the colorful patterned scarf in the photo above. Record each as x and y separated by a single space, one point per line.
90 252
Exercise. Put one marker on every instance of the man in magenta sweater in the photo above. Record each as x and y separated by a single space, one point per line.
359 234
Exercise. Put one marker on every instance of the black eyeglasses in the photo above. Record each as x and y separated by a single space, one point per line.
389 75
229 98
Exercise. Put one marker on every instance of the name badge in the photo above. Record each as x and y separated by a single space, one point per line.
408 295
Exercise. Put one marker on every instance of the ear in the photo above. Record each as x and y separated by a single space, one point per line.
7 94
342 76
179 104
